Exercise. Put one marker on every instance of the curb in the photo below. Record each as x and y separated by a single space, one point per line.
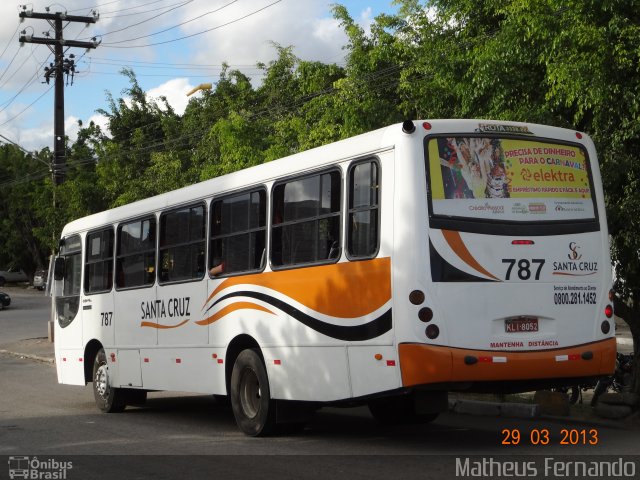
528 411
37 358
495 409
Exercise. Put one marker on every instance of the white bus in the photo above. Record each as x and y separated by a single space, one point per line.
386 269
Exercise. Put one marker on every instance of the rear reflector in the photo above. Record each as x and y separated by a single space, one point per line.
608 311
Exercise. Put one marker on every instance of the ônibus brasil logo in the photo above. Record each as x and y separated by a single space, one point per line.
33 468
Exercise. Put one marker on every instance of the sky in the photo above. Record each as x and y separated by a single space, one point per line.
171 45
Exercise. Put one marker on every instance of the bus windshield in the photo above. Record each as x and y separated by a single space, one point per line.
511 179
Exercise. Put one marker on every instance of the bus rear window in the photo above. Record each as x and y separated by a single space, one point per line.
508 180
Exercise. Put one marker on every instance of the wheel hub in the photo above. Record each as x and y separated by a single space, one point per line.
250 393
101 381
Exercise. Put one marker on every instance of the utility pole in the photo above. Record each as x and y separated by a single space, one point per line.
58 69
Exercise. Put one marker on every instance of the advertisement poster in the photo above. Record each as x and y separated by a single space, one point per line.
509 179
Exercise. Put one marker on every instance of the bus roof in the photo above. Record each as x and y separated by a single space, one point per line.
362 145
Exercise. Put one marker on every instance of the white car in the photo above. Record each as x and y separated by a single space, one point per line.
12 275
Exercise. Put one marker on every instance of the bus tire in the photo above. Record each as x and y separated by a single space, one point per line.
108 399
251 402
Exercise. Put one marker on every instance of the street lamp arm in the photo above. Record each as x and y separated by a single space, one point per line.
202 86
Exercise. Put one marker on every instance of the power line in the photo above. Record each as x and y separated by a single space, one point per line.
15 144
158 75
284 75
10 63
94 7
15 72
159 66
142 63
104 14
376 80
179 24
62 66
176 6
10 40
30 82
115 44
377 74
27 108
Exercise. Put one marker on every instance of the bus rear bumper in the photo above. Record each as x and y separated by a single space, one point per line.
422 364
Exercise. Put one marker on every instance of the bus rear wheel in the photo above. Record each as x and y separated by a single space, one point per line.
251 402
108 399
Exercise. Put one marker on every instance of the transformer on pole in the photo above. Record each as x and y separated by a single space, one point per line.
58 69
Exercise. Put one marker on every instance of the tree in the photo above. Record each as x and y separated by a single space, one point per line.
367 97
567 63
20 202
138 127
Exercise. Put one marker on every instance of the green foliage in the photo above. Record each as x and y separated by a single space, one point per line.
21 211
139 126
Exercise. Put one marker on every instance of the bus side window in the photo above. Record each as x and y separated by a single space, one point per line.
136 253
98 275
238 233
306 220
363 235
182 242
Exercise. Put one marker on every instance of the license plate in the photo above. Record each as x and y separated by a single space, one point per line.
522 324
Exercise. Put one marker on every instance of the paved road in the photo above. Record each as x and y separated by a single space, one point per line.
27 316
38 416
194 437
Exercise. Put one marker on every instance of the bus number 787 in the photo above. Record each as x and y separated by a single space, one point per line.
523 267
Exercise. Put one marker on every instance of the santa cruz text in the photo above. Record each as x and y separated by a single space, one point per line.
174 307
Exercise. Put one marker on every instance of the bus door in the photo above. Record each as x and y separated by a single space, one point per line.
135 279
66 296
97 301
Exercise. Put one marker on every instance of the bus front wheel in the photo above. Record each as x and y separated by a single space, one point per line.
251 402
108 399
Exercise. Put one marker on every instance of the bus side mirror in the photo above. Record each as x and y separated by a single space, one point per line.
58 269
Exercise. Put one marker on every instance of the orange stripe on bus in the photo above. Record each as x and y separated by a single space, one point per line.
345 290
425 364
232 308
162 327
457 244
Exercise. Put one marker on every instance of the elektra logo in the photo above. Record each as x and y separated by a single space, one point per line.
33 468
537 208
